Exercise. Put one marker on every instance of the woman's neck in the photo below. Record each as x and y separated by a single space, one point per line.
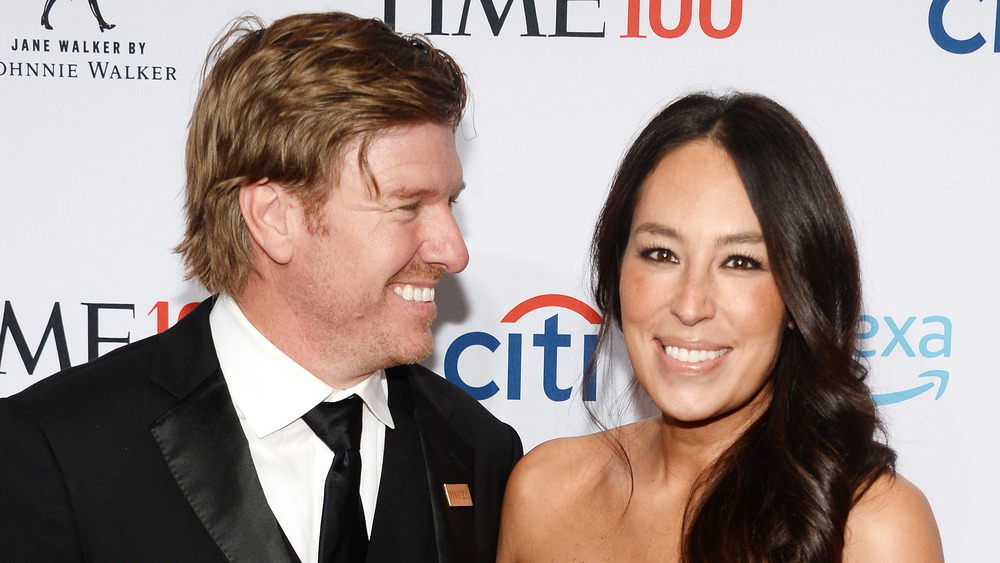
683 450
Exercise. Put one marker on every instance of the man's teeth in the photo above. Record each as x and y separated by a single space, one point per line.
693 356
410 293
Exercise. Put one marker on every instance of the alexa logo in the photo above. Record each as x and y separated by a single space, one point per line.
906 342
548 341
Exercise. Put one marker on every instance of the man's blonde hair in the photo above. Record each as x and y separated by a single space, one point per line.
281 103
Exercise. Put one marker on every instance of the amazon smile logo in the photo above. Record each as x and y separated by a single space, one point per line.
906 394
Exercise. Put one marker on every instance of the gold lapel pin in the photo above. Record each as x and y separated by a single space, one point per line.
458 494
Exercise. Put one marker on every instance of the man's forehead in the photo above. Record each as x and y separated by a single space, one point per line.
405 161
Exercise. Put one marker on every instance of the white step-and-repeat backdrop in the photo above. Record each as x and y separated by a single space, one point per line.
901 94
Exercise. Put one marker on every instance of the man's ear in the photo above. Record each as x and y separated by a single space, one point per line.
271 217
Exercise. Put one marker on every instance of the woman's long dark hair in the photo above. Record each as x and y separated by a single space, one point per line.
783 490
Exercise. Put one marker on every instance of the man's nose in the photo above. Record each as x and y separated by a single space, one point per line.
444 244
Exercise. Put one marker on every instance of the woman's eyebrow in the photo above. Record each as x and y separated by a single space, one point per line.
659 230
747 237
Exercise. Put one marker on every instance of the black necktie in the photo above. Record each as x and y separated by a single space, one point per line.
343 535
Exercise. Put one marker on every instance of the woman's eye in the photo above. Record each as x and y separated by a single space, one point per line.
742 263
659 255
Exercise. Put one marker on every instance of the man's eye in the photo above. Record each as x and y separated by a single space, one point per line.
410 207
659 255
742 263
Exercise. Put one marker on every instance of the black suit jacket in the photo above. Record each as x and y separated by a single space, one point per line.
139 456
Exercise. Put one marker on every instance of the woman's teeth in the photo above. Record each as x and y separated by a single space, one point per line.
693 356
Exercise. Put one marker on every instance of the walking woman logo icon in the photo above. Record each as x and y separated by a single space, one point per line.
105 26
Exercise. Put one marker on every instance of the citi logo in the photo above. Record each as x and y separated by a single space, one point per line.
545 339
956 40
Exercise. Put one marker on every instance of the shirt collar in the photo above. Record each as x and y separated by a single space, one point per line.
268 387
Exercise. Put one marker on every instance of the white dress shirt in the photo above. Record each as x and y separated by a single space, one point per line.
271 393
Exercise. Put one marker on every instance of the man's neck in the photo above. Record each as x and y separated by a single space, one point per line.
270 315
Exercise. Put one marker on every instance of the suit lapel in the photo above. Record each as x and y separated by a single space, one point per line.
403 529
447 459
205 448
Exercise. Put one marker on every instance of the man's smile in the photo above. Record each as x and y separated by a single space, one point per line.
419 294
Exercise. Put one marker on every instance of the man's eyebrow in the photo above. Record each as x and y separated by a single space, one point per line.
409 193
416 192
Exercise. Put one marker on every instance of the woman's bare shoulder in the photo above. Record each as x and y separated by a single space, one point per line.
561 467
892 522
555 494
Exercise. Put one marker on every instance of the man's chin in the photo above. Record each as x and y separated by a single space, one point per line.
413 352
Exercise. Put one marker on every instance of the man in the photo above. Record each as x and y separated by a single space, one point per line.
321 169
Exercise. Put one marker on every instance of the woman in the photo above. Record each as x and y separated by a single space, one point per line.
725 256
